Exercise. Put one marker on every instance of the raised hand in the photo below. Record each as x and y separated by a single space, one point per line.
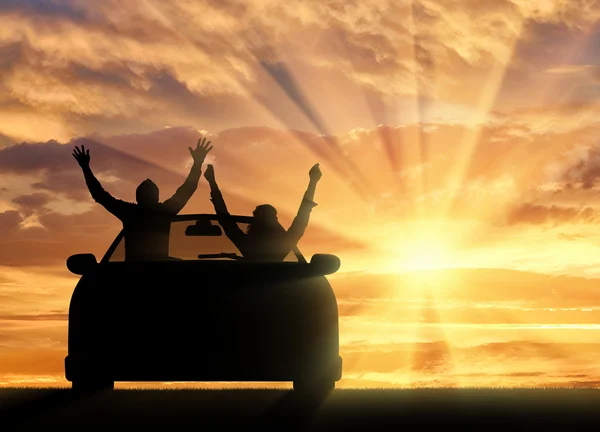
201 150
209 174
315 173
82 156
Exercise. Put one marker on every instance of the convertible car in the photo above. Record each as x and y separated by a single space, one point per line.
203 314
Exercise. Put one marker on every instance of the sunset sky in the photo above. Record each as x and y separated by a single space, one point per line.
458 140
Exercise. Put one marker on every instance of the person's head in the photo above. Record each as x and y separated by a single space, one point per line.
264 219
147 193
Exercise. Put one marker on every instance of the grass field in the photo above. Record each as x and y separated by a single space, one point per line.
31 409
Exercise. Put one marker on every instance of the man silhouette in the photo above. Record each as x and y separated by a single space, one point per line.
147 223
265 239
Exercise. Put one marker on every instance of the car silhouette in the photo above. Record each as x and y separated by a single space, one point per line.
203 314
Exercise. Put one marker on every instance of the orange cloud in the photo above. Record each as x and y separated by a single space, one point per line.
74 68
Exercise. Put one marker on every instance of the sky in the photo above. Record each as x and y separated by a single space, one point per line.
458 142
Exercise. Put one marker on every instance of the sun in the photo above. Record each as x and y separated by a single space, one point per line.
418 247
426 254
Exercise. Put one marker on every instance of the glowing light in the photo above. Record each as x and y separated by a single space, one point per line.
416 247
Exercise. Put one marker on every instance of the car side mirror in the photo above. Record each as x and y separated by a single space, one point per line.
325 263
81 263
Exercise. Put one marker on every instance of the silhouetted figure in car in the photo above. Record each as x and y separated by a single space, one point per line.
265 239
147 223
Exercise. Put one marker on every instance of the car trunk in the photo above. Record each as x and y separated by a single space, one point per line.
212 320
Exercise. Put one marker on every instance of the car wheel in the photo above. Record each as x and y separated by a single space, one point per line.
91 386
313 388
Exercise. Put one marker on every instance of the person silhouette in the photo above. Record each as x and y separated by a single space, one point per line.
147 223
265 238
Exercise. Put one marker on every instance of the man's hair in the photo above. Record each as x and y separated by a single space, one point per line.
147 191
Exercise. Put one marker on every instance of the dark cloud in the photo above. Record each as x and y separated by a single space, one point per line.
544 41
69 9
31 203
34 157
90 15
585 173
62 174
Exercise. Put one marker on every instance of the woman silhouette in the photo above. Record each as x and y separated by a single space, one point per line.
265 239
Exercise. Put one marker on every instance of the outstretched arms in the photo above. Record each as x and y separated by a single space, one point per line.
187 189
116 206
298 226
232 230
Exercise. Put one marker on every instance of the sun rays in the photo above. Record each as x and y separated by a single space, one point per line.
327 149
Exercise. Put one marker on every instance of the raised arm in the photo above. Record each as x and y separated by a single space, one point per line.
298 226
183 194
116 206
232 230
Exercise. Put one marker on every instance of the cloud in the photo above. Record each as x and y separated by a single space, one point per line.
508 364
566 194
44 317
161 64
40 361
467 295
60 9
511 364
58 237
585 172
592 71
554 215
571 237
9 222
32 203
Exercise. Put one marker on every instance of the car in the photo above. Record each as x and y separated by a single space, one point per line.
203 315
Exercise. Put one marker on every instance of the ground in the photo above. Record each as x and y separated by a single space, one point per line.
31 409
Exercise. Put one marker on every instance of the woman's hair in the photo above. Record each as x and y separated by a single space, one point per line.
265 220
